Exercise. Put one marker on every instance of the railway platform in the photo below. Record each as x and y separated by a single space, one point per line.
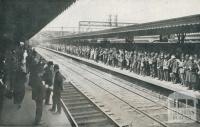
12 116
163 84
124 102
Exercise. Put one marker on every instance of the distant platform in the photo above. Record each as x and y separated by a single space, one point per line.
24 117
164 84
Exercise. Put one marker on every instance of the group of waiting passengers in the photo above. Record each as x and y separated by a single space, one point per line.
12 75
177 68
20 66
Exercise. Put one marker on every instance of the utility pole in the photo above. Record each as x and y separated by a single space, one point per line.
116 20
62 31
79 27
110 20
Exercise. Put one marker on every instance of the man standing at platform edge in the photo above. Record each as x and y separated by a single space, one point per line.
57 88
38 93
48 78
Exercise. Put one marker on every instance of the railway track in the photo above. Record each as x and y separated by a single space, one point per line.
134 99
82 111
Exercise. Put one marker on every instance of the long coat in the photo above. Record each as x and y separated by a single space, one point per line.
33 71
48 76
191 75
19 87
175 66
38 89
58 82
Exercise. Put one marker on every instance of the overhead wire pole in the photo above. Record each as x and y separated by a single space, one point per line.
110 20
62 30
116 20
79 27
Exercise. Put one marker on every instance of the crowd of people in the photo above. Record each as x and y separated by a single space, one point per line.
45 78
178 68
20 66
12 75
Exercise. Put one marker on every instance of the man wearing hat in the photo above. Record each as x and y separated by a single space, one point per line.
11 66
160 66
32 64
48 78
19 86
182 69
154 65
57 88
191 76
38 92
173 68
166 68
186 68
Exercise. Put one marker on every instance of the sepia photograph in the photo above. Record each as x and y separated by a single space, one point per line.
99 63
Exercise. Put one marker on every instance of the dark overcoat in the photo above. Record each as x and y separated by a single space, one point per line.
38 89
58 82
48 76
19 87
191 75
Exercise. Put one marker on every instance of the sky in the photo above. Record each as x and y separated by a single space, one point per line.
134 11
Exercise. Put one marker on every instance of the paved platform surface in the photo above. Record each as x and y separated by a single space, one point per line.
168 85
24 117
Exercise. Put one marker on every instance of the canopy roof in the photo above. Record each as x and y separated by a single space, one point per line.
21 19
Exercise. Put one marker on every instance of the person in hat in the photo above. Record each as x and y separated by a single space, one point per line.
186 68
19 86
166 68
57 88
11 68
150 60
32 65
147 65
191 76
48 78
38 92
142 65
114 62
160 66
173 64
138 63
154 65
181 70
131 59
105 56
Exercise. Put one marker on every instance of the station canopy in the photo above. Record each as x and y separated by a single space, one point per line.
21 19
187 24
